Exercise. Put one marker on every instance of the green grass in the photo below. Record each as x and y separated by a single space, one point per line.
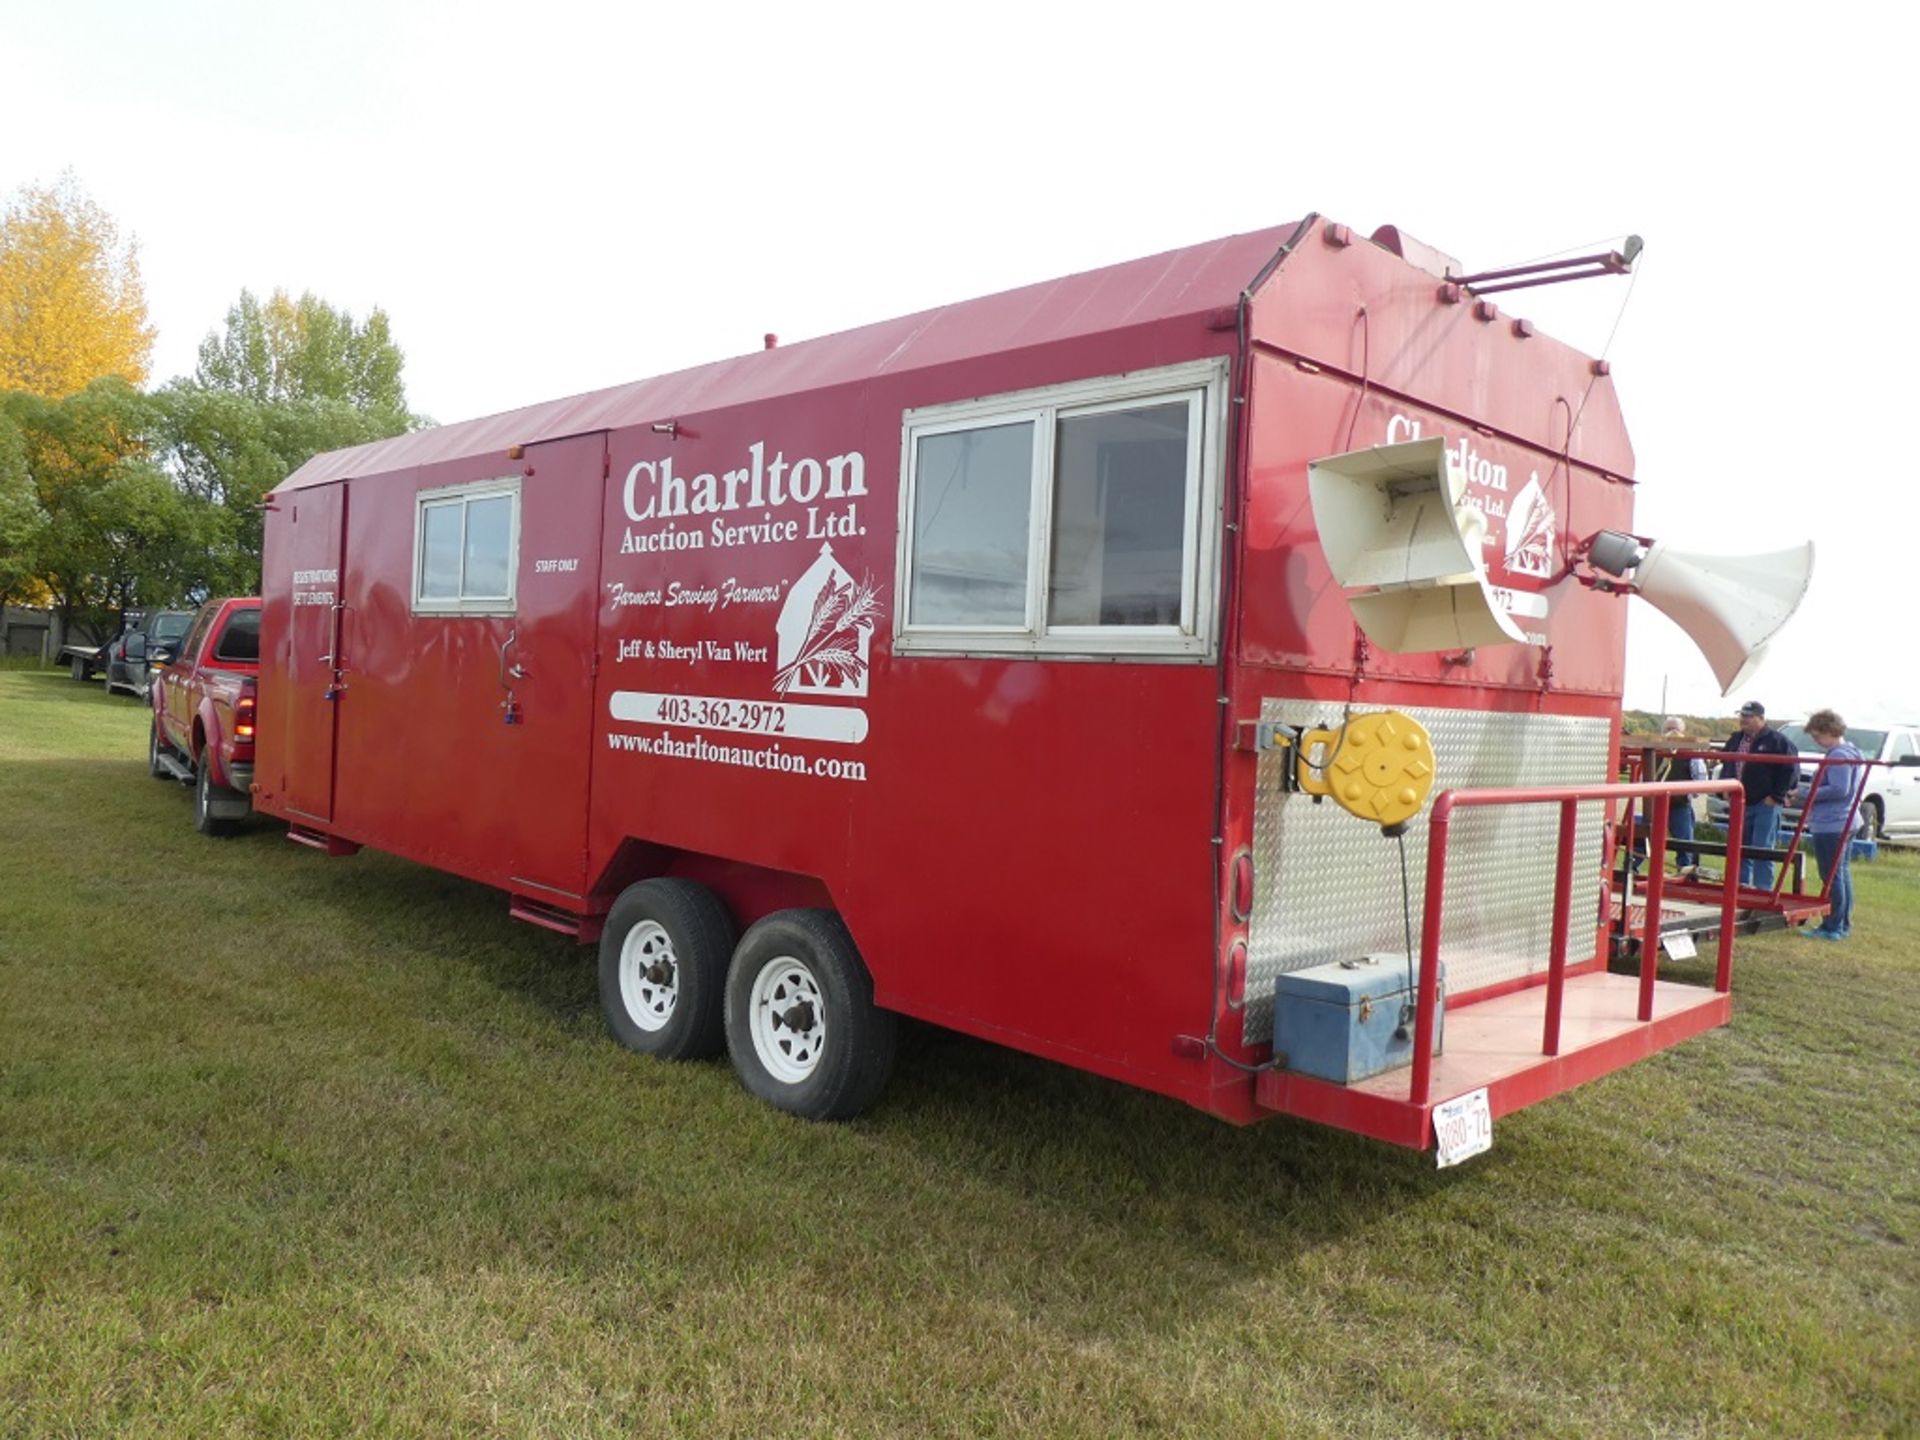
296 1146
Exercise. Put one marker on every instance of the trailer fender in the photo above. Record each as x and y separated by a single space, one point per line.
749 891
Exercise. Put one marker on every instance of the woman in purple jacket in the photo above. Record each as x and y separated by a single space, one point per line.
1829 823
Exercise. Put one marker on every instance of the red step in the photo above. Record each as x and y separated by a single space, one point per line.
319 840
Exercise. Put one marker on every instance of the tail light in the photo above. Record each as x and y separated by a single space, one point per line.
243 720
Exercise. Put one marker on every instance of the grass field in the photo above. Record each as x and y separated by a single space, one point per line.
296 1146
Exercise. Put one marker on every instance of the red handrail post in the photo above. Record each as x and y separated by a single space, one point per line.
1439 825
1562 907
1806 816
1730 886
1656 883
1793 852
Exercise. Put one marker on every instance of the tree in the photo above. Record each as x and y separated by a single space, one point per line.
104 527
72 308
227 450
281 382
22 521
306 350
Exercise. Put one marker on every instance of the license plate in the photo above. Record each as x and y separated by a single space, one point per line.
1679 945
1462 1127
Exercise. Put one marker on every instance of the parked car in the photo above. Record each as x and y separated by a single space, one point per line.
128 657
203 712
1891 804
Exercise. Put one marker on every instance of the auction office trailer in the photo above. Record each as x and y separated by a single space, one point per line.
944 658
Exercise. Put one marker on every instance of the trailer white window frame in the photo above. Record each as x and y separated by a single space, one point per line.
1202 385
463 496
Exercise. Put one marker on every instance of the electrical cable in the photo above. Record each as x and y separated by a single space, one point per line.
1406 921
1366 371
1573 422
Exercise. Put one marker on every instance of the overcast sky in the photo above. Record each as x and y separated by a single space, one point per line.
556 197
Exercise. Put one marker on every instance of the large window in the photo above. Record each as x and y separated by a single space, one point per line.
466 547
1077 520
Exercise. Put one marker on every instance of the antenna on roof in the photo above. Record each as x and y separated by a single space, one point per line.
1552 272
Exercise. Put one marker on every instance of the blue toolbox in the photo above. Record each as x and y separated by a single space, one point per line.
1351 1019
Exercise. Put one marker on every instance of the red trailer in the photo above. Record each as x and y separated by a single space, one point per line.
947 668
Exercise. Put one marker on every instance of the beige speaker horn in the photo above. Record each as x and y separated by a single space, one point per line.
1406 549
1731 606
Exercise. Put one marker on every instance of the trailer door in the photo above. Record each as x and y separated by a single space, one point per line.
312 664
549 663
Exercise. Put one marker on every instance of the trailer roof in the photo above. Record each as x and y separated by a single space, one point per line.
1188 281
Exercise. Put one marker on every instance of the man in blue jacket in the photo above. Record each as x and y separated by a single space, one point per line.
1767 787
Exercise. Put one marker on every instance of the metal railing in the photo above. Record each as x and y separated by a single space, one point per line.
1641 759
1569 798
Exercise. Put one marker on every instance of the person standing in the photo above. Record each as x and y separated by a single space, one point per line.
1680 813
1830 815
1767 787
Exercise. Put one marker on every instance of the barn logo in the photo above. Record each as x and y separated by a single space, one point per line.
1530 532
825 631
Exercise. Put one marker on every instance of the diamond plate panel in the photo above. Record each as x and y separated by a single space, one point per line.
1327 885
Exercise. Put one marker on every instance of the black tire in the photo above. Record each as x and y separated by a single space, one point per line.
811 968
663 969
204 791
1873 815
79 669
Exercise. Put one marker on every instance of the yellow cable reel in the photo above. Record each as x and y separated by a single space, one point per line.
1380 769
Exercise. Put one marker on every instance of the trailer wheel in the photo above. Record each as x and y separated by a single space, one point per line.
802 1027
663 969
204 820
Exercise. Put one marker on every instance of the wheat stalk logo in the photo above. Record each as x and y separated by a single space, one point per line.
842 614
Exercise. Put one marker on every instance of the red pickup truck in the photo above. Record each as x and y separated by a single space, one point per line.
203 713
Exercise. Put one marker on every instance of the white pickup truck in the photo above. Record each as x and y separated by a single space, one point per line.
1891 804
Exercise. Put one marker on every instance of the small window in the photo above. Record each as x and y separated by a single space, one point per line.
1080 520
240 641
466 548
1902 747
971 525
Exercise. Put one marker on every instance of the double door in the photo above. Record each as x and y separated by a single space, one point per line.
456 736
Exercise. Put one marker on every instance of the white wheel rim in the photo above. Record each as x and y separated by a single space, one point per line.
789 1019
649 975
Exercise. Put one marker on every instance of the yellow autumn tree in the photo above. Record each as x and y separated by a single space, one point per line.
72 308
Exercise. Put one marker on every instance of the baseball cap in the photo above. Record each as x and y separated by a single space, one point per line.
1753 707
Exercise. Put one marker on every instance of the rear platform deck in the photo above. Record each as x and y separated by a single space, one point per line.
1496 1043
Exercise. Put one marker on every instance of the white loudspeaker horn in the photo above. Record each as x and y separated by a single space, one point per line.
1405 548
1729 605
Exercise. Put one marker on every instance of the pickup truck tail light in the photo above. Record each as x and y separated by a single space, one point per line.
243 723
